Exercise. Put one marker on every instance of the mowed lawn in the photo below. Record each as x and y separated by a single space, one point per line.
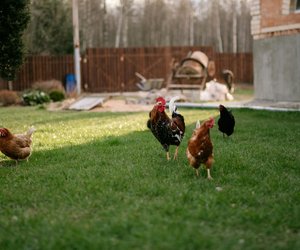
102 181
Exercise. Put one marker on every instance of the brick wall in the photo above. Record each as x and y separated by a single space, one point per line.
273 18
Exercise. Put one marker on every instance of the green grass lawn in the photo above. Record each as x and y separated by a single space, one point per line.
243 92
102 181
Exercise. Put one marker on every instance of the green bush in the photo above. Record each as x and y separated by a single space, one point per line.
57 96
35 97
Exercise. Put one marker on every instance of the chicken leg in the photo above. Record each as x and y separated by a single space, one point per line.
168 156
176 153
208 165
208 174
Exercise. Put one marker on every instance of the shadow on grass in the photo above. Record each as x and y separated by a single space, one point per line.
5 162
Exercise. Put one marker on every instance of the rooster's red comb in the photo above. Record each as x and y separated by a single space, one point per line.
161 99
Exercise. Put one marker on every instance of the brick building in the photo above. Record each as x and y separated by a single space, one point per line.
275 28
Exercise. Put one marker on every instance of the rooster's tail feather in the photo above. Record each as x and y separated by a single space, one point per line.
172 106
30 131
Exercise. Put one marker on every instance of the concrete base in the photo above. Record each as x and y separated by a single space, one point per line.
277 68
258 105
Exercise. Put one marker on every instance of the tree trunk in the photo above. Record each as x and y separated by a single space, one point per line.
105 25
119 27
218 28
125 31
191 28
234 29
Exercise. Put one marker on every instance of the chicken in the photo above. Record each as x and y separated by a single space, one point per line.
16 146
200 147
226 121
168 131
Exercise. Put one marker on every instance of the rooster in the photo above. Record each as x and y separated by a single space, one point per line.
200 147
226 121
168 131
16 146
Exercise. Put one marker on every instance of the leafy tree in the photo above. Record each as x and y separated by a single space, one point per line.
14 17
50 29
225 25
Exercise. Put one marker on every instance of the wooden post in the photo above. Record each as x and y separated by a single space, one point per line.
76 45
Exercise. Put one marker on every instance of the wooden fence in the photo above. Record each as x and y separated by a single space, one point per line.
112 69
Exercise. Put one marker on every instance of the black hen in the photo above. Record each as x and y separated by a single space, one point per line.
166 130
226 121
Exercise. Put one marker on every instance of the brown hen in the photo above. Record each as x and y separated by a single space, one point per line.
16 146
200 147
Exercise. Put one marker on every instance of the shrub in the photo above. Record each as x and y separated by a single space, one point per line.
49 86
8 97
57 95
35 97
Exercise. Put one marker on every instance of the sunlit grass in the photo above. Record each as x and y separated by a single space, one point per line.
101 181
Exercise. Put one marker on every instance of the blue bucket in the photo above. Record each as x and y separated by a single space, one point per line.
70 83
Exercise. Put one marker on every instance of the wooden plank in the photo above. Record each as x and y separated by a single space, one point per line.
184 86
195 76
87 103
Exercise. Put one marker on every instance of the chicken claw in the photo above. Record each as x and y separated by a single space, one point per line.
168 156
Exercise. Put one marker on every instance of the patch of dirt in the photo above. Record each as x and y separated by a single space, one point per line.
113 105
143 101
